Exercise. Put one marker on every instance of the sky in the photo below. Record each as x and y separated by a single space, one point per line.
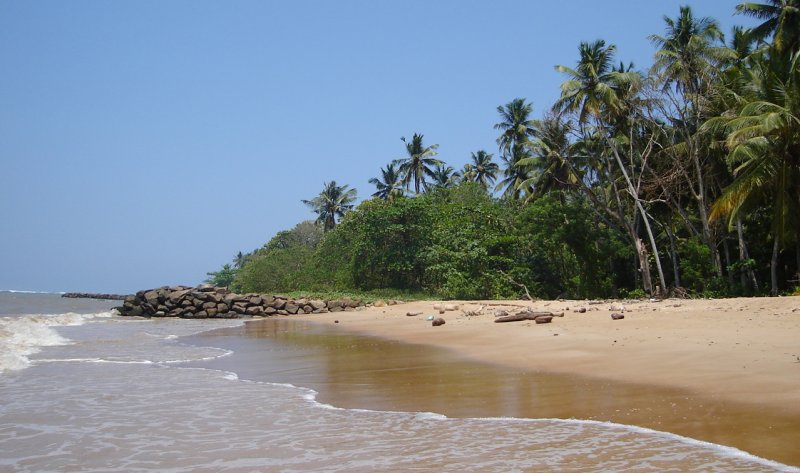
145 143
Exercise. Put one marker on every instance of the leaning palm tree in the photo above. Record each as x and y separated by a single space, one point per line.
516 125
781 20
418 164
482 169
334 201
389 186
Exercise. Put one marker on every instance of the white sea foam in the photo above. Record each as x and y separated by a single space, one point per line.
22 336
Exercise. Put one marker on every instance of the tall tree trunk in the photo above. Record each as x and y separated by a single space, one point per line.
674 256
744 255
773 267
644 265
727 248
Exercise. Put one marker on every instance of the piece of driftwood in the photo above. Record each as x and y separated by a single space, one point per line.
525 316
413 314
524 287
544 319
617 316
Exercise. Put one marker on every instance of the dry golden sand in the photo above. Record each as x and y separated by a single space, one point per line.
741 350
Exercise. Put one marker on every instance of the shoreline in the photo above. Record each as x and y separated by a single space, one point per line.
744 350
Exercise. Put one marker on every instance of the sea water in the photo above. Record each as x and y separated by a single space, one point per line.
82 389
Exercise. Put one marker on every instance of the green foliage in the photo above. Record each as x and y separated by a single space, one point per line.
565 251
283 264
695 270
377 246
223 277
463 259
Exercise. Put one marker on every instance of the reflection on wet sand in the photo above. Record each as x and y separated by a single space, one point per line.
354 371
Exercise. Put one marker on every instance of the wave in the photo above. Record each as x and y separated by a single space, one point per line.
310 395
24 335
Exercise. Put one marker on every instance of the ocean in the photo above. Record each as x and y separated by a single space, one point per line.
84 390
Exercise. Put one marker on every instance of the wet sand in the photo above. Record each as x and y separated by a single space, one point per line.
351 370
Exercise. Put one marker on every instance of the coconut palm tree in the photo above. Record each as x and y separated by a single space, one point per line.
389 186
601 95
444 176
764 143
516 125
781 20
687 58
550 156
334 201
590 91
688 52
419 163
482 169
515 174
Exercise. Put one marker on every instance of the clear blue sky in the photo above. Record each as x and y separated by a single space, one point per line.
144 143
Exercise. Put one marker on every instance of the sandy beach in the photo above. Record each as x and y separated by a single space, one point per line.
742 350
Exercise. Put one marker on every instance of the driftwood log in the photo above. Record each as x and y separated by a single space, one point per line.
526 316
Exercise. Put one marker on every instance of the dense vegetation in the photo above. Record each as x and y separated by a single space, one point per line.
681 179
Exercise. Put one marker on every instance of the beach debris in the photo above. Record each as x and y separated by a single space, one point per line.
528 315
543 319
336 321
616 316
413 314
429 318
500 313
450 307
438 306
379 303
473 313
617 308
582 310
437 322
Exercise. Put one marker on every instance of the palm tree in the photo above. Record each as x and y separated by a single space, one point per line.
334 201
390 187
687 59
443 176
551 153
764 143
515 174
688 52
781 21
590 89
598 92
516 125
418 164
482 169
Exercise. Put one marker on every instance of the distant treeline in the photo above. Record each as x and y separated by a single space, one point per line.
681 179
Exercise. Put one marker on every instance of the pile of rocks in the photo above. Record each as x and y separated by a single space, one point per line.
207 301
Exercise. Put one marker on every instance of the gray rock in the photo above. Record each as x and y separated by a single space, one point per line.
317 304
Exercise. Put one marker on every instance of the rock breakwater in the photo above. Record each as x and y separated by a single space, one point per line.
205 301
